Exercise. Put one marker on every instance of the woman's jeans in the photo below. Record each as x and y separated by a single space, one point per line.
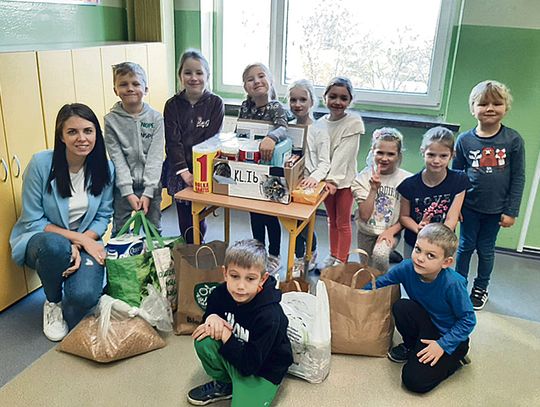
50 255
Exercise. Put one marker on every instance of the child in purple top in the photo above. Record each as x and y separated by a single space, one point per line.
191 116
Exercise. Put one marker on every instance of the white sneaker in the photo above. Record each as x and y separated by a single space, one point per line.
298 267
313 262
54 326
273 265
328 262
337 262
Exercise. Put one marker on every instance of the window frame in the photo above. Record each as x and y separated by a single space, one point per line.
433 99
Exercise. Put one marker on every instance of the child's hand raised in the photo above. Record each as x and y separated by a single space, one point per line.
431 353
426 220
375 179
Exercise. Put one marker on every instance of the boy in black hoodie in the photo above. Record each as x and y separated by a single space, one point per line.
243 343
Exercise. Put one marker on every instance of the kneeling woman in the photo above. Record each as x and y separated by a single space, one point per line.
67 205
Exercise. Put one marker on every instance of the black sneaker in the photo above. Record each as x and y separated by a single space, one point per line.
210 393
465 360
479 297
399 354
395 257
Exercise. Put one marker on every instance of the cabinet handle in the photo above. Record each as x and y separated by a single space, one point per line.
15 160
6 171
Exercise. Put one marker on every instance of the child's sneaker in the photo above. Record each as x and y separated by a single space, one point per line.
479 297
298 267
328 262
337 262
313 262
54 326
210 393
399 354
465 360
273 265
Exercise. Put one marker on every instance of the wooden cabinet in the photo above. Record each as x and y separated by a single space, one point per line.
110 56
88 79
11 275
23 135
57 86
33 87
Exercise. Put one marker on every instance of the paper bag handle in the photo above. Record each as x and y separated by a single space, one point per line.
297 286
197 255
194 229
355 278
360 251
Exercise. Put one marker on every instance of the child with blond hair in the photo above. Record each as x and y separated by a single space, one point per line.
493 156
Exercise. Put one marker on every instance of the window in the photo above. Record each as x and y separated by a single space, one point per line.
394 51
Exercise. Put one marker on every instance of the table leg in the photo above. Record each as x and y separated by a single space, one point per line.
309 243
292 227
226 225
196 209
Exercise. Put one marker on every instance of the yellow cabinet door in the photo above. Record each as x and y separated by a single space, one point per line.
88 78
22 112
158 84
137 53
57 86
23 123
110 55
12 279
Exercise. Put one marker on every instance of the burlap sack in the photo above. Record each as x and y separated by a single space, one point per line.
198 272
361 320
125 338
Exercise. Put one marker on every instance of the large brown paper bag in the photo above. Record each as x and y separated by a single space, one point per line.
198 272
361 320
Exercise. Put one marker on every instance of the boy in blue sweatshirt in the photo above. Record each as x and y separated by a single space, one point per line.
436 321
243 343
135 140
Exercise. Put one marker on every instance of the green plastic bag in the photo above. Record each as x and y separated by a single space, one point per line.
127 277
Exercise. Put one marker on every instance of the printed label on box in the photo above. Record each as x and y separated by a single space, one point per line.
248 180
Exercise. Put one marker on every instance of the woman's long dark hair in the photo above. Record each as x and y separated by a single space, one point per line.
97 174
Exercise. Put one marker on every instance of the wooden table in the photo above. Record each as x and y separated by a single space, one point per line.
289 216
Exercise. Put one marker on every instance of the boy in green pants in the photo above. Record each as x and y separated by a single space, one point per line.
243 343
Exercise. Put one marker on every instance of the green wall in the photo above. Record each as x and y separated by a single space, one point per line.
30 24
187 31
509 55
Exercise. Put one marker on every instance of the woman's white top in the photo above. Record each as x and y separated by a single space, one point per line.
78 203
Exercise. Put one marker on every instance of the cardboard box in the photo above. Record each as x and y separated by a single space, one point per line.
258 129
309 196
254 181
257 181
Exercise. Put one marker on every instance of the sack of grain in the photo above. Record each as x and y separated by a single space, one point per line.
111 336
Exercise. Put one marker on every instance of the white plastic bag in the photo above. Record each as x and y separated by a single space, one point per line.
309 333
154 309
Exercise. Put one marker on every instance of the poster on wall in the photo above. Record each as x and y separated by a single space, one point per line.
86 2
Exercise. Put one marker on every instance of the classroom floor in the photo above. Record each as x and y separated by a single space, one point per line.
513 292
